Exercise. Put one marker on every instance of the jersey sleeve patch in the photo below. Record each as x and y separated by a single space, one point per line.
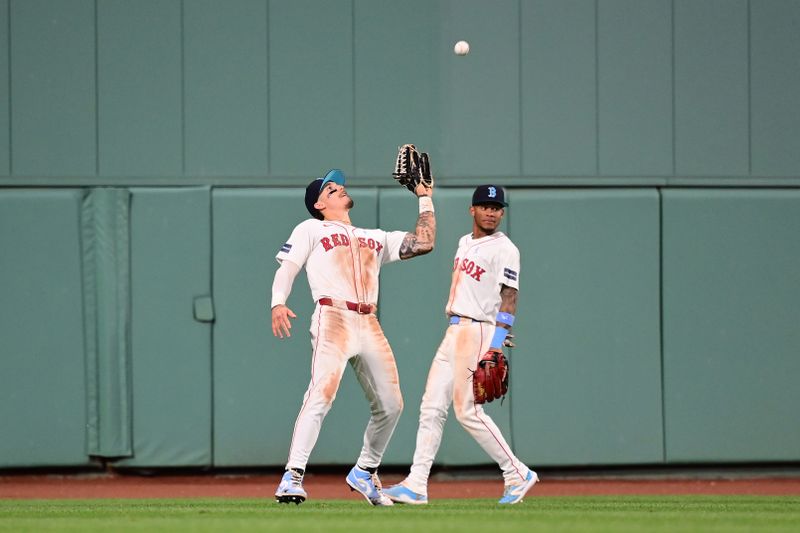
286 248
510 274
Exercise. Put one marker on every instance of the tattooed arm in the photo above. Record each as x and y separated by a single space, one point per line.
421 241
508 303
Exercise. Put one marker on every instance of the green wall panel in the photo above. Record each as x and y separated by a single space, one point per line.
413 296
559 89
635 87
381 32
311 87
586 375
170 350
479 92
711 88
225 51
731 335
42 381
775 84
53 113
139 87
5 96
259 380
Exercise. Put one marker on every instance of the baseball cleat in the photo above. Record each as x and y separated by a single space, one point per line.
369 485
514 493
290 489
402 494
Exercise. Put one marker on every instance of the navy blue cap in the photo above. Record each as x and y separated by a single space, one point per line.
489 194
315 187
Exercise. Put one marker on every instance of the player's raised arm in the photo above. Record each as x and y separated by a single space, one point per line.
413 171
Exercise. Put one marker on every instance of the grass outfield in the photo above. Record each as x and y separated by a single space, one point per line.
591 514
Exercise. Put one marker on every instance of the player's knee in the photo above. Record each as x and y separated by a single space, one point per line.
463 413
395 407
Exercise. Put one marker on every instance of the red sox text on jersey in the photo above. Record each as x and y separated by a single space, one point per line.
469 267
340 239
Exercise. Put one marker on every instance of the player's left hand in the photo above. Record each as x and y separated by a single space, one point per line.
280 321
490 379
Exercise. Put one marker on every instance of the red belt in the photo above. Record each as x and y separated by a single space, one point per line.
360 307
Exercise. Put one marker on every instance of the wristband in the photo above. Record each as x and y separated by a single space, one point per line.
498 338
505 318
425 204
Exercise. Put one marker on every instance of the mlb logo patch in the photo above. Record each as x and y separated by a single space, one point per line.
510 274
286 247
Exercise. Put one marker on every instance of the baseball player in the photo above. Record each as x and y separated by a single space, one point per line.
343 262
480 308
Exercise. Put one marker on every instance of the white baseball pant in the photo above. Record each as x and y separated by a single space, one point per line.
339 336
448 382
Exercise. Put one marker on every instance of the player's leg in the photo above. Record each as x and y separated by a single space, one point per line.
477 422
433 413
328 360
376 372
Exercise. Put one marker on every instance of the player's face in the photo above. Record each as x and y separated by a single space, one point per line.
487 217
334 197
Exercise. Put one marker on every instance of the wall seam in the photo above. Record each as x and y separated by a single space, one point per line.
268 96
520 92
659 190
749 91
596 88
183 88
353 78
674 114
96 91
10 107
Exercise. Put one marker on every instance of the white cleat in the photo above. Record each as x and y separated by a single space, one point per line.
514 493
290 489
368 485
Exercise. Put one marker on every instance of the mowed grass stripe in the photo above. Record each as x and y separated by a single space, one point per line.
582 514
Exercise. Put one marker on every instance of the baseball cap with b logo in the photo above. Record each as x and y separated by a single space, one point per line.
489 194
315 187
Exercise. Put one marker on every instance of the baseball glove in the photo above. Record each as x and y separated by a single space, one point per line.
412 168
490 379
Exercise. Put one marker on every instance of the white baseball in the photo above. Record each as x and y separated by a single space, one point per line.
461 48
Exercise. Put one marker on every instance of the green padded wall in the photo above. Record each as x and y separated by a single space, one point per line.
731 335
559 89
5 96
259 380
381 31
170 350
42 380
139 84
711 107
775 84
225 87
634 111
586 375
311 86
53 87
413 296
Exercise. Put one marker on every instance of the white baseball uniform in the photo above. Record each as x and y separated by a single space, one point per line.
481 266
342 264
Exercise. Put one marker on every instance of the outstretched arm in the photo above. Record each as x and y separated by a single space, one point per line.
421 241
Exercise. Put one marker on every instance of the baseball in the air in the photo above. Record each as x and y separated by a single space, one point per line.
461 48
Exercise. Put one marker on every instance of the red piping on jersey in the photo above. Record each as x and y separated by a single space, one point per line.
352 259
478 416
458 269
313 385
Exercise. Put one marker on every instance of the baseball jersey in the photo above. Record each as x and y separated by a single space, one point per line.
480 267
342 261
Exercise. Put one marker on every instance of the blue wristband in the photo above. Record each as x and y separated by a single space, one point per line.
499 337
505 318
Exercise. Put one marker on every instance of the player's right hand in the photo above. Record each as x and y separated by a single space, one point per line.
280 321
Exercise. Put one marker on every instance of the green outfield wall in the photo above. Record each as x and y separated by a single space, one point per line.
153 156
